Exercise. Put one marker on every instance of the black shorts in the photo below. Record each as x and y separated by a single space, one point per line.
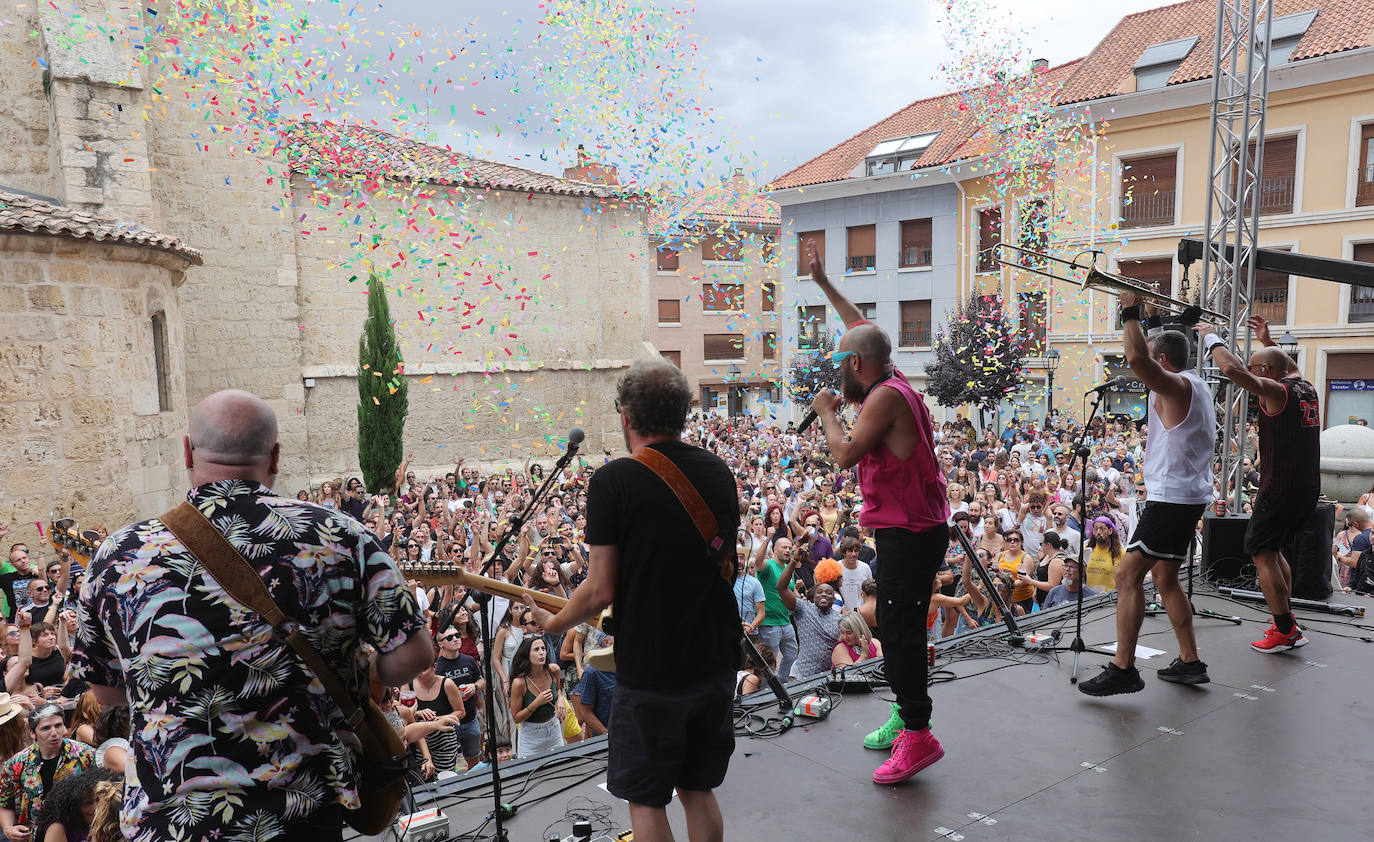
661 740
1165 530
1276 518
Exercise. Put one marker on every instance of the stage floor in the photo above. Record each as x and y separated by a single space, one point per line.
1277 746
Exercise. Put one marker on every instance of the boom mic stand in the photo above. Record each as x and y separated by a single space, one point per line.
498 813
1081 451
993 594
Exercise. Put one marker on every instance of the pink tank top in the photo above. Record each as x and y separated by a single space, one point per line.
906 494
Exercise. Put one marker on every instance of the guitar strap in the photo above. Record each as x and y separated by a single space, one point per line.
690 498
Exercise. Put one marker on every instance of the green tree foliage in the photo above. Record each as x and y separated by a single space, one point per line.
382 400
811 371
978 359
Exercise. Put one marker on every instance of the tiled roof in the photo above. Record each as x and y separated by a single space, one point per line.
936 114
734 201
22 212
1340 25
343 150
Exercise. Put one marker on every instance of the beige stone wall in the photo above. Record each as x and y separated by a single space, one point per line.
24 154
79 409
548 348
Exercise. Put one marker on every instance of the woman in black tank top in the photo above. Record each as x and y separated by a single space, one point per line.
1050 564
441 697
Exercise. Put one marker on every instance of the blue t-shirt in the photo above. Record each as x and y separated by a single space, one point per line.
748 593
1060 594
595 690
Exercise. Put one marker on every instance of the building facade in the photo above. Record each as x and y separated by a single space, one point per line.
714 299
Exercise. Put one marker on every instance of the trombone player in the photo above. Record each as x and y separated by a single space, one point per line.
1178 486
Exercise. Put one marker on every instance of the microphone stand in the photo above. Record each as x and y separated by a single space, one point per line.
498 814
993 594
1081 451
1155 608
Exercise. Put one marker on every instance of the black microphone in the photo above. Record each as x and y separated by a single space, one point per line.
807 421
575 437
1118 382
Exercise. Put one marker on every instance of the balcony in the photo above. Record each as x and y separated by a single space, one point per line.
1364 186
861 263
1141 209
915 256
1275 195
1272 304
915 333
1361 304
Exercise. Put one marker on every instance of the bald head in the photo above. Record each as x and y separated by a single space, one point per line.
871 343
233 436
1274 360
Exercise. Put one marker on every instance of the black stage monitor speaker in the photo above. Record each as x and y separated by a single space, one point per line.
1308 554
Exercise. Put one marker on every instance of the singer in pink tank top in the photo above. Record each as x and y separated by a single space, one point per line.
892 446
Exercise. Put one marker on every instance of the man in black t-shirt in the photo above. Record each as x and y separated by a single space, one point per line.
676 626
464 671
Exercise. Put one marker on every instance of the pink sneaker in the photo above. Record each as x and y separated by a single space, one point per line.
912 751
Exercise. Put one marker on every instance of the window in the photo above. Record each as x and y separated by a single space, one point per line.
862 249
1033 320
989 235
769 247
1147 190
770 346
1271 296
716 298
720 247
1362 298
1277 180
770 297
867 310
1157 271
805 240
1364 178
810 327
674 357
1159 61
669 311
722 346
160 363
1034 230
897 155
1286 34
916 243
667 259
915 323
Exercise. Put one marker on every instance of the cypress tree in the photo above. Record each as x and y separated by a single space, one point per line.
382 401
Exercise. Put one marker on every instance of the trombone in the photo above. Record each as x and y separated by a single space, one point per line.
1094 278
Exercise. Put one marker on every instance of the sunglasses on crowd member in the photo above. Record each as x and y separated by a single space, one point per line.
444 638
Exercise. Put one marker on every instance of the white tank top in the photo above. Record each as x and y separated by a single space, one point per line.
1178 461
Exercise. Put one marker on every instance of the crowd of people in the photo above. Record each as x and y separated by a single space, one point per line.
804 587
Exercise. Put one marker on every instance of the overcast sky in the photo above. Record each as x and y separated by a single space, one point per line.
786 80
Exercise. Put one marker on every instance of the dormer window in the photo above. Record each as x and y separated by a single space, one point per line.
1287 32
1159 61
898 154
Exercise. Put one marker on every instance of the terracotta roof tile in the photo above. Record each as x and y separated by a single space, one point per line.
344 150
734 201
955 142
22 212
1340 25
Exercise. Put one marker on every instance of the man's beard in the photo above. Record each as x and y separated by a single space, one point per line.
850 386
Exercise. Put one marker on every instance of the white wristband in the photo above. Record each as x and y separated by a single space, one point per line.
1211 339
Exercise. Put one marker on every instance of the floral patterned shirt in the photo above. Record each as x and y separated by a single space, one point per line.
21 780
232 735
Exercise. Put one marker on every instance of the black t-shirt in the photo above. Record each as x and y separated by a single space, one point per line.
461 670
47 670
354 506
675 619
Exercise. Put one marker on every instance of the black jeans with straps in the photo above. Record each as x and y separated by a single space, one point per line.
908 562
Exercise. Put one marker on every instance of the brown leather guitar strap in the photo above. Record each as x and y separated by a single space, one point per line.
690 499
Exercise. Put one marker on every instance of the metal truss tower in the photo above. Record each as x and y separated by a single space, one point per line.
1240 90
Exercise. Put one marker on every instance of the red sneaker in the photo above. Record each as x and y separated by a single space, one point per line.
912 751
1276 641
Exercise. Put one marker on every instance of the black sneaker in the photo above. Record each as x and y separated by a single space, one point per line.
1113 681
1184 672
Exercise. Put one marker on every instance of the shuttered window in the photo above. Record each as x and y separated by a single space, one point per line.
669 311
667 259
917 243
1147 190
805 240
1362 298
722 346
862 256
915 323
989 235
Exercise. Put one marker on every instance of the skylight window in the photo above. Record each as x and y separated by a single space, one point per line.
897 154
1287 33
1159 61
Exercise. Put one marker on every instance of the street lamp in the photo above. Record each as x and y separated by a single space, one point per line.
732 396
1051 363
1288 343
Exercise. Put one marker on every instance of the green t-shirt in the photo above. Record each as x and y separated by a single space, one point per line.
775 613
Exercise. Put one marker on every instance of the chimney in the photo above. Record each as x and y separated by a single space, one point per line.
1040 65
590 170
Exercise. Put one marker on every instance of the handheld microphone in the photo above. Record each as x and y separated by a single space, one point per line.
1118 382
575 437
807 421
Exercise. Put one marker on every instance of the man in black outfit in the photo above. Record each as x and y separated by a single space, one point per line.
676 626
1290 472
